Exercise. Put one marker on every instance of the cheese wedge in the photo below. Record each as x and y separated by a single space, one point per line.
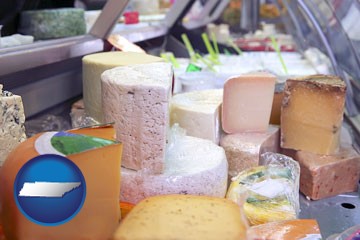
183 217
276 105
100 166
198 113
247 102
296 229
324 176
193 166
243 150
94 65
312 114
12 122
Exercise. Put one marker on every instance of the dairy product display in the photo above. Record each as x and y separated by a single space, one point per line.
137 99
243 150
198 113
183 217
12 123
247 102
312 114
94 65
276 105
99 161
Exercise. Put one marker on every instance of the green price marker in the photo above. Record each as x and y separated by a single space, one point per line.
193 68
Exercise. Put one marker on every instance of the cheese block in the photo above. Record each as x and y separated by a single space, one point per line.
99 161
137 99
269 192
193 166
198 113
312 113
276 105
12 123
296 229
183 217
94 65
329 175
52 23
243 150
247 102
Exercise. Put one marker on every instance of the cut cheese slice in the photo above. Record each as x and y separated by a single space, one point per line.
137 99
12 121
312 114
198 113
243 150
100 213
94 65
324 176
193 166
183 217
297 229
247 102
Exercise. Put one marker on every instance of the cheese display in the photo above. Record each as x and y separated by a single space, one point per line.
329 175
137 99
243 150
198 113
94 65
52 23
247 102
99 161
269 192
183 217
312 113
276 105
298 229
12 123
192 166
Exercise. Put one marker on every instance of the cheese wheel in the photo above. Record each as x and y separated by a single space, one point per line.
183 217
95 64
193 166
137 99
100 213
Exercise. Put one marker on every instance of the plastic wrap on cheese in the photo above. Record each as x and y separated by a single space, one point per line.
269 192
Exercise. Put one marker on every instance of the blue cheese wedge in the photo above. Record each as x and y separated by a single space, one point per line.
12 121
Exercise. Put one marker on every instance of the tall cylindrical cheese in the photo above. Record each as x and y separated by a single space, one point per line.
193 166
137 99
94 65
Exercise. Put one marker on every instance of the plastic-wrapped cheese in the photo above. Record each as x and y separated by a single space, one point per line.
95 64
98 158
193 166
198 113
183 217
53 23
137 99
243 150
12 121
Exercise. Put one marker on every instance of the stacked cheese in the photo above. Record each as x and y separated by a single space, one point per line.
12 123
137 99
311 119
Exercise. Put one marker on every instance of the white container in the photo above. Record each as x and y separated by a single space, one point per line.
192 81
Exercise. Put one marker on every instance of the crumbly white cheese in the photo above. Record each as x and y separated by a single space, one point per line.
12 129
137 99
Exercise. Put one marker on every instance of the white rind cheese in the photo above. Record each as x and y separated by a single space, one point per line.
198 113
12 121
137 99
94 65
193 166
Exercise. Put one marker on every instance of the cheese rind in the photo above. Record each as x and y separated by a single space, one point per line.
183 217
324 176
247 102
12 123
137 99
198 113
243 150
100 214
94 65
193 166
312 114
